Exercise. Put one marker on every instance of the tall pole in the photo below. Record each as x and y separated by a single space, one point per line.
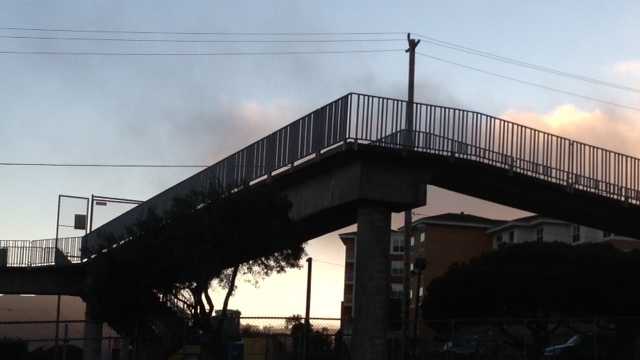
55 262
414 343
56 351
307 324
407 214
91 215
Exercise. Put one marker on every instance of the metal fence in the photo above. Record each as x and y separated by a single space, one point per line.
359 118
28 253
255 337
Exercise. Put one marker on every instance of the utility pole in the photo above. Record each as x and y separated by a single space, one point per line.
409 135
419 265
307 323
55 262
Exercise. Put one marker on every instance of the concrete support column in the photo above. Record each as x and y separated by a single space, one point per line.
371 298
92 348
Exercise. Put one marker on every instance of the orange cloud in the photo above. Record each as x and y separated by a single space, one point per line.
617 132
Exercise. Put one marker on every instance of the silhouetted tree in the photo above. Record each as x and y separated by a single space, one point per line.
202 238
541 281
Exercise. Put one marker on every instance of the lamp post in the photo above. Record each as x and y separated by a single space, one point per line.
80 223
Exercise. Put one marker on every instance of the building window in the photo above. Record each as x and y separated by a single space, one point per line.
413 240
397 245
423 236
421 291
540 234
512 236
575 233
397 268
396 291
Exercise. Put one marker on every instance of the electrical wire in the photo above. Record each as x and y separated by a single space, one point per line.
516 62
219 33
229 53
41 164
525 82
213 41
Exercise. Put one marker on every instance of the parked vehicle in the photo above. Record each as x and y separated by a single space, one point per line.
569 347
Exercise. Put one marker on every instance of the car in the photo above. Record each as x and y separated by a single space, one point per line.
567 347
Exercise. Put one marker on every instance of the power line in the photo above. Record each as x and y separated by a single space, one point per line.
228 53
94 165
512 61
525 82
214 41
219 33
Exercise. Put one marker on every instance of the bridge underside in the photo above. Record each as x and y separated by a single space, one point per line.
45 280
325 196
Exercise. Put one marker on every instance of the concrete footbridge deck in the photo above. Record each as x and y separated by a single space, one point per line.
460 150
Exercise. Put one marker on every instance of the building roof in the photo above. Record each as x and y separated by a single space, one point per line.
527 221
458 219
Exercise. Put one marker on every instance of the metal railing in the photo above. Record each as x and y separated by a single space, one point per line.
439 130
28 253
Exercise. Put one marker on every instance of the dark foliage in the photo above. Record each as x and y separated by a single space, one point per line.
183 249
541 281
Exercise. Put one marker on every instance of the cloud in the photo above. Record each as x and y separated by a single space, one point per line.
615 131
630 67
227 126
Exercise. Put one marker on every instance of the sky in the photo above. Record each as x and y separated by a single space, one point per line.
196 110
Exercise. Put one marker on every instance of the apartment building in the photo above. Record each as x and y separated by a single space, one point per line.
445 239
544 229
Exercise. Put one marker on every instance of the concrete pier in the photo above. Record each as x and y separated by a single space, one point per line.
372 283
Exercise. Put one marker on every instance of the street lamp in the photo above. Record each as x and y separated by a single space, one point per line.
79 223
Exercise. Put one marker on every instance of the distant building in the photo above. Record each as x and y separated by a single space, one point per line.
544 229
445 239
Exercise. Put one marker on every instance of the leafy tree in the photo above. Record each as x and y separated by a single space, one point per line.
292 320
543 281
178 254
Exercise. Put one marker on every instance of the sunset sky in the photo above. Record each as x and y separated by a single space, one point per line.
196 110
